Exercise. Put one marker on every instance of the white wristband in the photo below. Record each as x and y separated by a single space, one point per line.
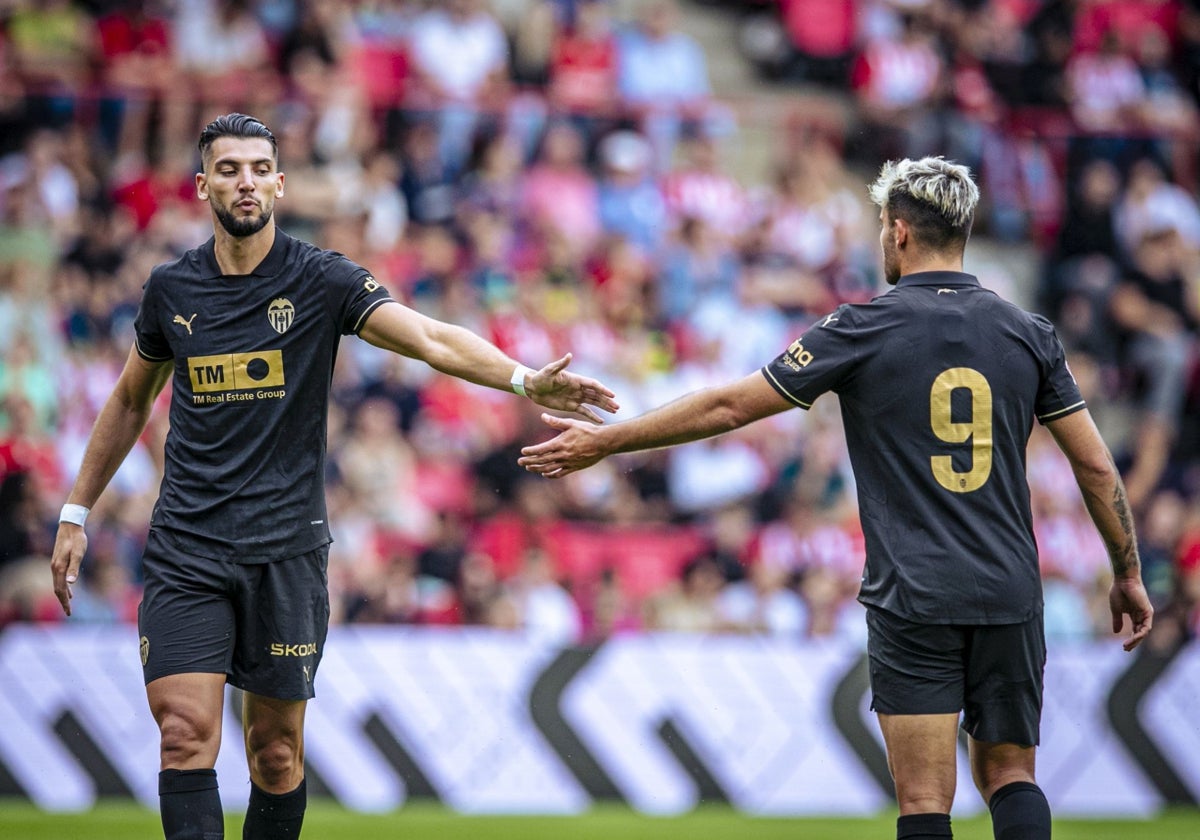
518 379
75 514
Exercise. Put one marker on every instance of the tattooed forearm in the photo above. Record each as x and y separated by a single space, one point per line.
1122 552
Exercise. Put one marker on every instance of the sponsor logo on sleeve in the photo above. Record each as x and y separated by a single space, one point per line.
797 357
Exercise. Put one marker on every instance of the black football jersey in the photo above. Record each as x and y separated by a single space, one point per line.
253 358
939 382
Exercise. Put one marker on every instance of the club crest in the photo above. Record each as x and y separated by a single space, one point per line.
281 314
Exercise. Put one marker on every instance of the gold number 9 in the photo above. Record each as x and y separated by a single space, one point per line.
978 431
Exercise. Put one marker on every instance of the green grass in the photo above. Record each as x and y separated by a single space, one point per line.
125 821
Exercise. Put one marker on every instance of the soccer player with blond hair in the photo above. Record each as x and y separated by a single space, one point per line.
940 381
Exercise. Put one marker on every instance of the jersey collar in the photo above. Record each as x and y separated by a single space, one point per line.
938 278
271 264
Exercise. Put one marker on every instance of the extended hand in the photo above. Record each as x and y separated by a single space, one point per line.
575 448
555 387
69 547
1128 597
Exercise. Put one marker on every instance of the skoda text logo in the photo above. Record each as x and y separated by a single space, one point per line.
281 313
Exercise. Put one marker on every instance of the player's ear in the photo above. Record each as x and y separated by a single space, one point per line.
279 186
201 186
900 232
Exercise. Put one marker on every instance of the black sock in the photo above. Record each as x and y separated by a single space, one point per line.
1020 812
923 827
190 805
275 816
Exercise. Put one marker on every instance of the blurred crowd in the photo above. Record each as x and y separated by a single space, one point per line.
554 174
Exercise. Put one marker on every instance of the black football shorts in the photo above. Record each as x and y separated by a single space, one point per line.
993 674
263 625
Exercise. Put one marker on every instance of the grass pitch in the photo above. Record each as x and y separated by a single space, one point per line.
128 821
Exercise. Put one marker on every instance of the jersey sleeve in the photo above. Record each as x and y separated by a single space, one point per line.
353 293
817 361
1059 394
148 335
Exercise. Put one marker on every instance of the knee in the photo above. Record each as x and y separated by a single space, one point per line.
989 783
276 760
916 800
187 738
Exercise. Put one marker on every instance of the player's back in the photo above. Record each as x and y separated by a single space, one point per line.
938 409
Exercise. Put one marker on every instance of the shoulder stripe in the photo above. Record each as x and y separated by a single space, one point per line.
147 356
775 383
1044 417
362 319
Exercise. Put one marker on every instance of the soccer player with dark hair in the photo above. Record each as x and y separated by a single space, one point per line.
939 382
247 327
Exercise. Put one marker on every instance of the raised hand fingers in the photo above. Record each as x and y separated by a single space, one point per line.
588 414
555 368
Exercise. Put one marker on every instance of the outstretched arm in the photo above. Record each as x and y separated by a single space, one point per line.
117 428
1104 496
698 415
459 352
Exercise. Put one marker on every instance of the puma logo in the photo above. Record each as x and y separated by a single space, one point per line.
939 291
188 323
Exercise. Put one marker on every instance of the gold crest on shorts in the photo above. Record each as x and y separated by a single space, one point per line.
144 646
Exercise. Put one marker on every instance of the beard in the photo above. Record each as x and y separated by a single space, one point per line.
241 227
891 265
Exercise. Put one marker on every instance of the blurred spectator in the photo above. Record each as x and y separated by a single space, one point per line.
691 604
139 76
833 612
460 63
549 615
378 466
583 68
1156 310
222 51
28 390
1066 615
1105 91
1151 200
1080 271
700 188
50 187
764 602
1168 111
631 204
898 82
493 181
560 197
20 522
662 78
426 180
377 57
52 54
699 268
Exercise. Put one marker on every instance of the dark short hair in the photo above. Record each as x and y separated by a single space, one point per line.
235 125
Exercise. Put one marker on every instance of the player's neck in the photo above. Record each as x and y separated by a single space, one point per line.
238 255
931 262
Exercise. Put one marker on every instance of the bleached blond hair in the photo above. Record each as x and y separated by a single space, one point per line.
929 185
